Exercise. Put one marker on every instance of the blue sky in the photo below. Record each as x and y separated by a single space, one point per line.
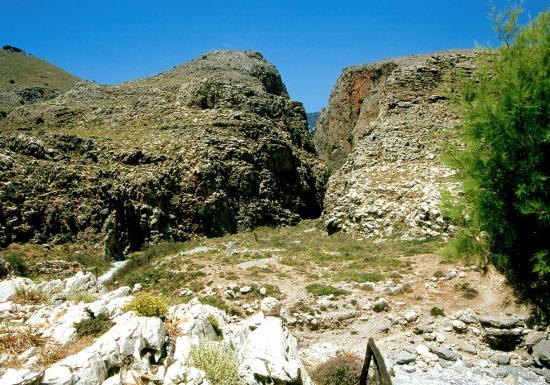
310 42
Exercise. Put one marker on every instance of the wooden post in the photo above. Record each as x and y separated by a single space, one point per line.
374 354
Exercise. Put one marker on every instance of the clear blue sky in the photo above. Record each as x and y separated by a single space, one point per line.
310 42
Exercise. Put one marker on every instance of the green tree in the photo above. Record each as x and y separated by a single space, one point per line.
504 162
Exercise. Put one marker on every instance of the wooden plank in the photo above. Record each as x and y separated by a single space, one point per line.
373 353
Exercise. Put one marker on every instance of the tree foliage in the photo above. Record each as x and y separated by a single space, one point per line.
504 162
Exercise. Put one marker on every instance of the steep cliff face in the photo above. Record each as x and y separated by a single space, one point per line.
381 135
208 147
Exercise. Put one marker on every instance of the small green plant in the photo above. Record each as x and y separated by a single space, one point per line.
467 290
406 288
320 290
438 274
215 325
94 325
344 369
148 305
437 312
82 296
218 362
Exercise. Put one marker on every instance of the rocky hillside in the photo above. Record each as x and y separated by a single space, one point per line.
208 147
26 79
381 136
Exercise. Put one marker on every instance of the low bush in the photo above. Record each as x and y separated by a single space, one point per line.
93 326
148 305
320 290
344 369
218 362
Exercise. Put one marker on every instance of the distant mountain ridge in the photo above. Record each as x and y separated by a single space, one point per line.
26 79
312 120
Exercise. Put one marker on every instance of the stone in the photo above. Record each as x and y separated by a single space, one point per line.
468 347
267 352
468 316
444 353
270 306
501 322
246 289
127 339
541 353
178 373
500 359
503 339
533 337
404 357
459 326
411 316
380 304
22 377
319 353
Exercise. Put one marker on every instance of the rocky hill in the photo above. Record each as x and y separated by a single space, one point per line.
381 136
26 79
208 147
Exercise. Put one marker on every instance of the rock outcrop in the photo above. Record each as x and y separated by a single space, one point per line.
381 135
208 147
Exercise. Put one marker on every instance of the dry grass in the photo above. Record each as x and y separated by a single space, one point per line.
26 296
14 341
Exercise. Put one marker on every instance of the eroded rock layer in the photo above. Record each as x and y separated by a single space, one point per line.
381 135
208 147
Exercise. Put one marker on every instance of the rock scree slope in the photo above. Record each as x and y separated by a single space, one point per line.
381 135
211 146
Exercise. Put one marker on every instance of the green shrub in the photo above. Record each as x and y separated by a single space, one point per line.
81 296
467 290
148 305
17 264
344 369
218 362
505 163
437 312
320 290
93 326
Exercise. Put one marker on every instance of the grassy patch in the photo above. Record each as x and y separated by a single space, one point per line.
24 256
78 296
321 290
221 304
358 277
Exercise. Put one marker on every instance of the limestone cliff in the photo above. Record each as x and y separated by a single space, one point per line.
381 135
208 147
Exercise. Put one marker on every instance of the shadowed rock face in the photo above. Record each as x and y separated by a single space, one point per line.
381 135
212 146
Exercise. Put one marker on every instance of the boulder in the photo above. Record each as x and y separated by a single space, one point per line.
318 353
541 353
267 352
501 322
22 377
127 341
270 306
503 339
